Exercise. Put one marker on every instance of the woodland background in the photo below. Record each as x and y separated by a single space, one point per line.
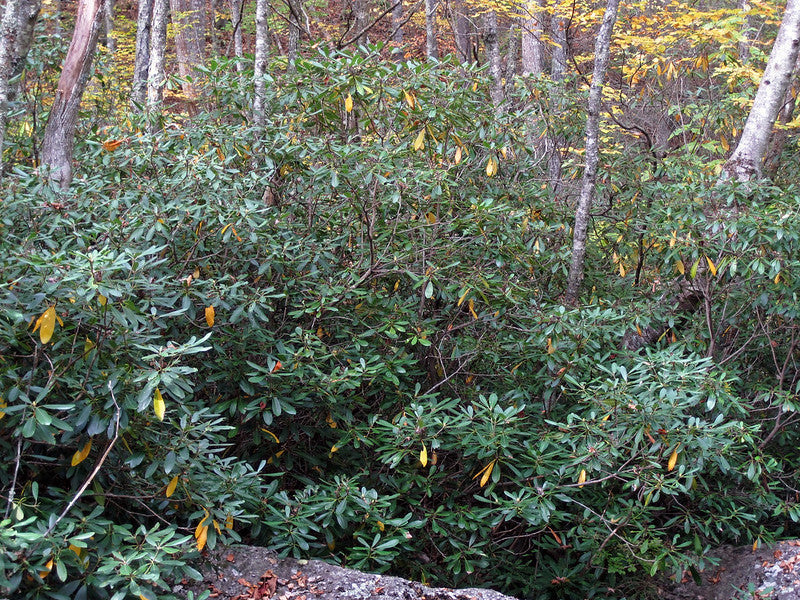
480 294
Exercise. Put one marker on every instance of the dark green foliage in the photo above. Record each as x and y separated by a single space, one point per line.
371 301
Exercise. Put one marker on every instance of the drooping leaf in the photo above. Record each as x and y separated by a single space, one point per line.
210 312
348 103
419 143
46 324
171 486
582 478
423 456
673 458
158 404
80 455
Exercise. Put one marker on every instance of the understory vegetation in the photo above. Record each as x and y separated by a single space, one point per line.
343 337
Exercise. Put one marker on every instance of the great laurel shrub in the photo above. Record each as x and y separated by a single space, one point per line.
338 337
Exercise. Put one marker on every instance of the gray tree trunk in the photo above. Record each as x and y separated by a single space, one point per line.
141 61
236 18
461 31
592 155
8 42
188 19
558 32
746 161
59 133
431 42
156 76
260 67
747 32
360 20
107 33
490 40
778 140
558 68
397 23
512 52
532 49
26 21
293 43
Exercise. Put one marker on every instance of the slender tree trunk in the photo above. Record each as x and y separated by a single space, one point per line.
461 28
532 50
107 35
156 76
260 67
397 23
431 42
558 68
558 32
27 15
746 161
602 50
59 133
778 140
490 40
747 32
513 51
360 20
293 43
189 22
142 59
236 18
8 42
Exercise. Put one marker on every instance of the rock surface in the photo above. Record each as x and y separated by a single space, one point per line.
767 573
253 573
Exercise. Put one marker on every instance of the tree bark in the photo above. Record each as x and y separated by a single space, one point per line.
360 20
778 139
747 32
156 76
431 42
8 42
260 67
512 51
490 41
558 32
602 50
59 133
461 32
143 24
746 161
107 33
532 55
397 23
188 19
27 15
293 43
236 18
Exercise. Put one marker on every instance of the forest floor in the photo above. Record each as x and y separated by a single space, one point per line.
254 573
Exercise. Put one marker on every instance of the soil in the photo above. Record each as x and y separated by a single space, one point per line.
254 573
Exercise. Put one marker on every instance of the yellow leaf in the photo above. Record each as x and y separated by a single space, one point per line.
431 218
111 145
755 545
582 478
423 456
172 485
419 143
48 567
46 324
464 295
487 473
724 143
673 239
334 448
550 347
331 423
776 281
76 550
348 103
491 167
410 99
679 266
201 537
621 269
331 545
216 527
102 299
275 437
711 267
158 404
471 305
673 458
196 272
229 522
81 454
2 405
210 315
457 159
381 526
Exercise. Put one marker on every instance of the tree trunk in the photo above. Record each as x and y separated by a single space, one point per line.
397 23
461 29
236 18
778 140
746 161
107 33
155 68
431 43
747 32
602 49
26 22
189 23
532 55
558 68
490 40
260 67
558 32
143 24
59 133
360 21
8 42
293 43
513 50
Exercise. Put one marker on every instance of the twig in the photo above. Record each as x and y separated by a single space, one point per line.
96 469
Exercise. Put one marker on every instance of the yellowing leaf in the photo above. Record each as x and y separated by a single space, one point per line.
102 299
724 143
48 567
381 526
419 143
431 218
46 324
582 478
81 454
673 458
755 545
334 448
2 405
201 537
275 437
348 103
711 267
158 404
776 281
550 347
111 145
679 266
485 472
471 305
423 456
210 312
229 522
457 158
171 486
410 99
464 295
216 527
621 269
491 167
